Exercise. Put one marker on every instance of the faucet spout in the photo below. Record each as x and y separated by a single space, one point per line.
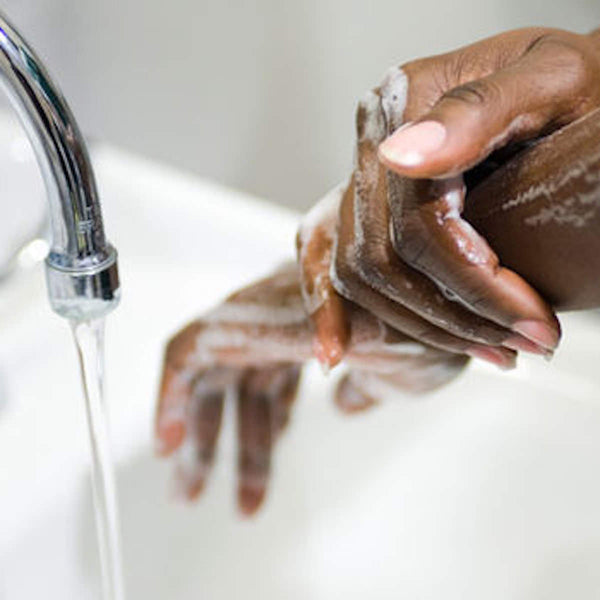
81 267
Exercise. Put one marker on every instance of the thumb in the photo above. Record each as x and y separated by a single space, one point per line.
551 85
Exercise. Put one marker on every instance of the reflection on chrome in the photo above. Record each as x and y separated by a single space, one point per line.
81 266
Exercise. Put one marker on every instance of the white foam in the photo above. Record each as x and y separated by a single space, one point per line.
384 111
273 345
394 94
550 189
399 348
561 214
373 128
454 201
470 244
324 210
406 348
359 218
187 459
321 217
257 314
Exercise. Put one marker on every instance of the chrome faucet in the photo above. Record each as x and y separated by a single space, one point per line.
81 267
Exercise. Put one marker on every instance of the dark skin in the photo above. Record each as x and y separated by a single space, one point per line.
253 345
514 118
479 106
564 231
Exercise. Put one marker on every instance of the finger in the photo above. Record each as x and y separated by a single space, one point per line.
265 399
386 387
283 398
331 330
416 367
322 303
347 278
373 382
255 438
264 322
197 454
553 83
431 236
260 324
350 398
411 90
411 367
377 261
175 391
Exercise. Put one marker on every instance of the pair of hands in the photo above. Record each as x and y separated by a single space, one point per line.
375 253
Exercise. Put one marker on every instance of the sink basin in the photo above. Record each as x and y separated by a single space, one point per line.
486 489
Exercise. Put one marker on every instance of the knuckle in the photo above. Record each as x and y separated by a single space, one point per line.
371 264
412 240
427 80
182 345
254 460
476 94
464 65
568 54
577 70
421 67
205 454
477 299
556 39
572 58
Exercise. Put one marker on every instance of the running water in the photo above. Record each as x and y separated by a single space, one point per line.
89 339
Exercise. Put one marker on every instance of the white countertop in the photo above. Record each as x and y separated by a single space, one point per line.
486 489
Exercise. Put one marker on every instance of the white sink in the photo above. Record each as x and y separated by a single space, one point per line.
486 490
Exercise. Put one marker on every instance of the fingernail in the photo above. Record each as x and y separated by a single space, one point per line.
503 359
186 488
195 489
539 332
249 499
518 342
328 355
409 146
350 399
168 437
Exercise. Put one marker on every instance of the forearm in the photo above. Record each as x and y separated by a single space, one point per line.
541 213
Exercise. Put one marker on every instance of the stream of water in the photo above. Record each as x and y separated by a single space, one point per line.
89 339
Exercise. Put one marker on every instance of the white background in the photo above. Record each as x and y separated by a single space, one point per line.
259 95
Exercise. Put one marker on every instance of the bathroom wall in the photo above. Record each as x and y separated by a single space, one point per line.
259 95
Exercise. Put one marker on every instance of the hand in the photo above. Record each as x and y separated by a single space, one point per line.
401 238
328 255
252 348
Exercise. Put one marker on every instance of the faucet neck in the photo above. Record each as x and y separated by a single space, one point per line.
79 251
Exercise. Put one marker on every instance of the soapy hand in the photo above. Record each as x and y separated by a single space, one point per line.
250 350
393 280
432 129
